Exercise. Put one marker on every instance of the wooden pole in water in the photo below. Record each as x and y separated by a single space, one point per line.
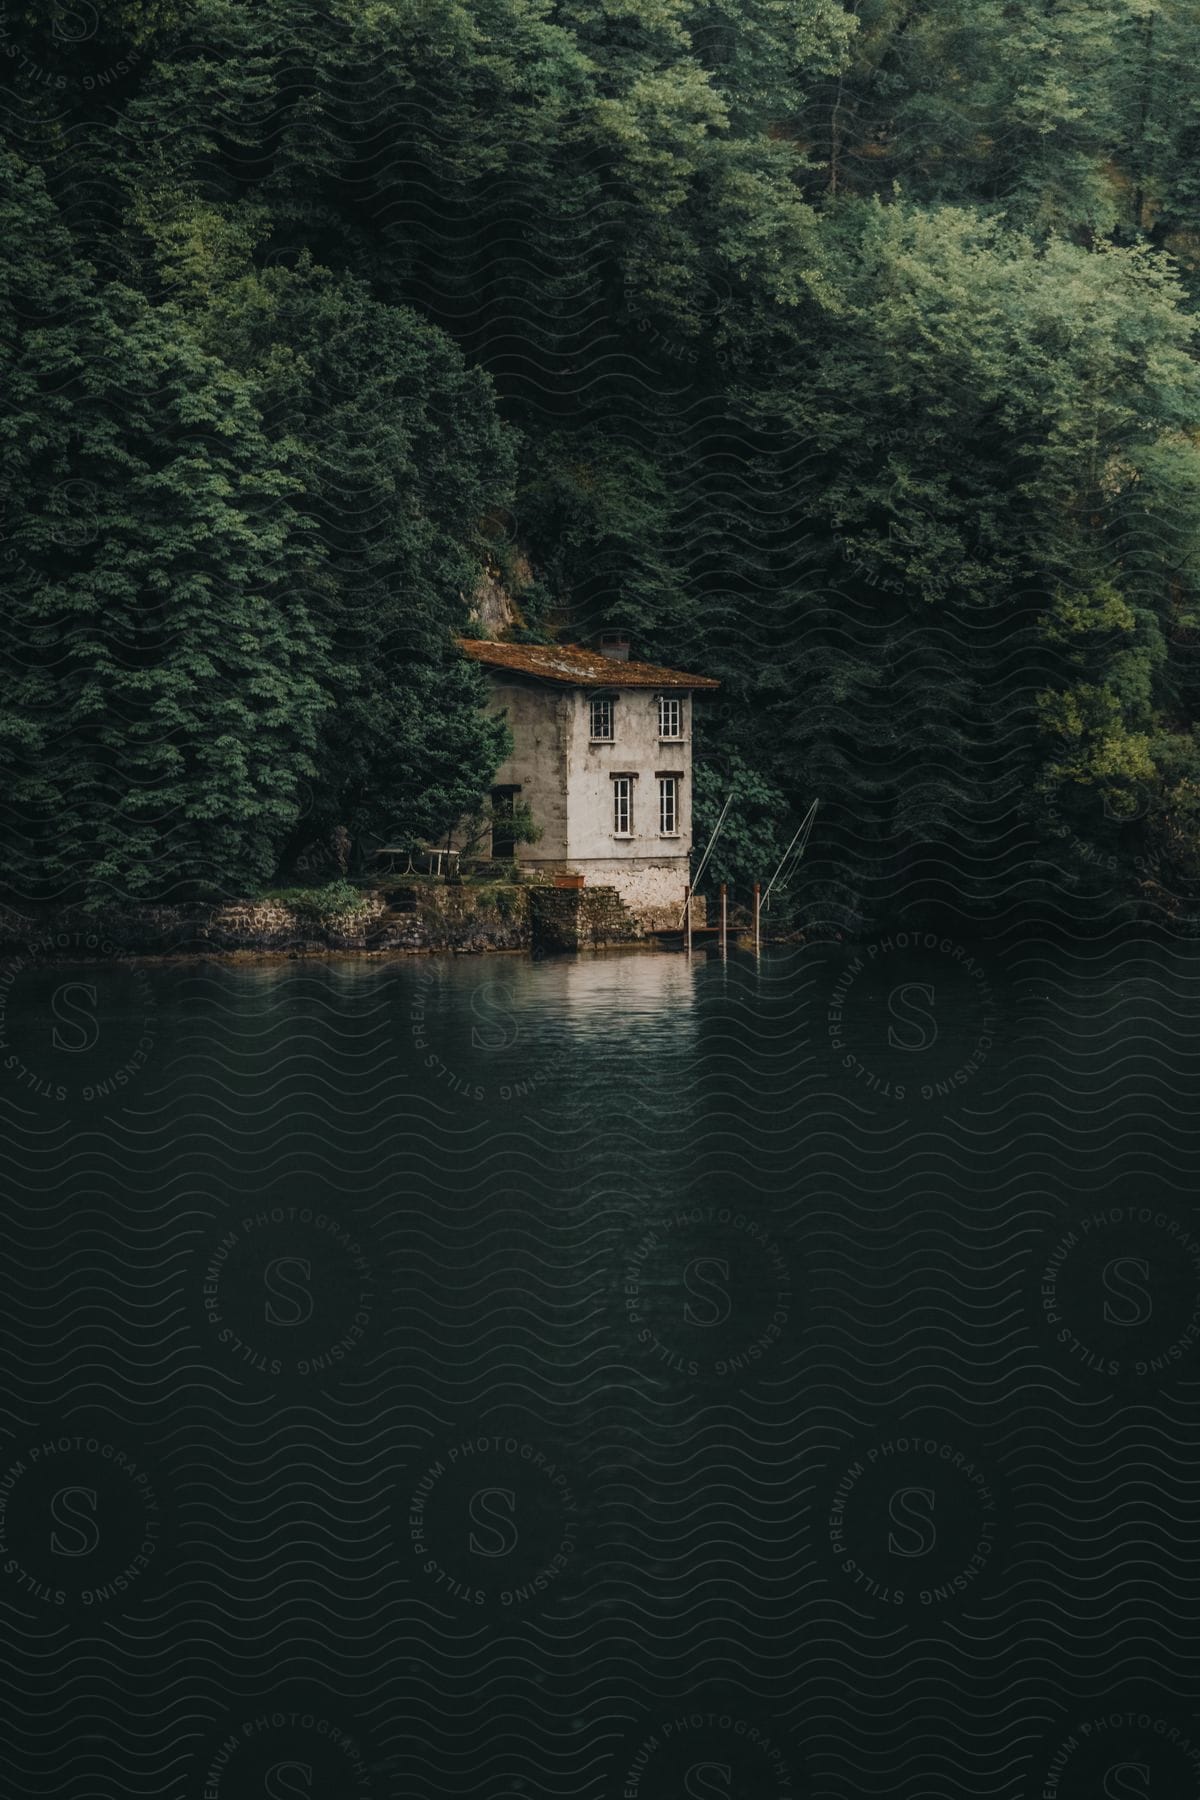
757 906
724 918
687 920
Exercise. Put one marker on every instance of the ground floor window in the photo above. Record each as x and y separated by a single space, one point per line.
622 805
668 805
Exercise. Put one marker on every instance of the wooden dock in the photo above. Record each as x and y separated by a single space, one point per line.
672 937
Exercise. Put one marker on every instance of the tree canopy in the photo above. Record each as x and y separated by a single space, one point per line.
845 352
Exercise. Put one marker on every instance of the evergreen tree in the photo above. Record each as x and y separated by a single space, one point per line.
164 678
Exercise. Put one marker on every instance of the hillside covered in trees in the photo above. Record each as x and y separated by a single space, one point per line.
843 352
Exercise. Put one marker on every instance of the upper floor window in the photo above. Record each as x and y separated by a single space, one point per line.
601 728
670 716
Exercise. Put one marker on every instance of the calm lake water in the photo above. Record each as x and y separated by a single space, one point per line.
606 1376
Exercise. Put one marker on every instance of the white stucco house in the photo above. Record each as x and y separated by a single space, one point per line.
602 756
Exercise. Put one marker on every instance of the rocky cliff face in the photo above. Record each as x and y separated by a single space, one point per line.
494 612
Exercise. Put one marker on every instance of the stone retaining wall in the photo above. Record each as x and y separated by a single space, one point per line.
418 918
421 916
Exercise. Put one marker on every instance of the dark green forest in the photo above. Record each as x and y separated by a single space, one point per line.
843 352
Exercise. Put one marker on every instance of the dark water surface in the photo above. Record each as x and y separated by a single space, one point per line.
605 1377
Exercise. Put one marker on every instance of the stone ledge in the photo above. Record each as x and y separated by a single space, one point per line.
491 917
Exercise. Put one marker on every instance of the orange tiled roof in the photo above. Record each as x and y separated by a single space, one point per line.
574 666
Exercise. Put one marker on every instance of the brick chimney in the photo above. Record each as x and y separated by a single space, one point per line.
614 645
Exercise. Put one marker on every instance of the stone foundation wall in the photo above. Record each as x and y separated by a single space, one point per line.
653 889
580 918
